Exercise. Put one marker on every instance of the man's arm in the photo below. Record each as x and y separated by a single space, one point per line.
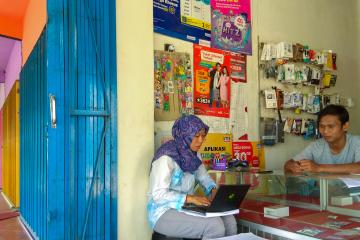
311 166
293 165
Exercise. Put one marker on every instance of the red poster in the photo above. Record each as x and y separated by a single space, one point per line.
214 70
250 154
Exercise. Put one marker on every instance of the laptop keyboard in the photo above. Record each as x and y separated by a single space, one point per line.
194 207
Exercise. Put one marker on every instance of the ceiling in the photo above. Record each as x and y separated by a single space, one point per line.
12 13
13 8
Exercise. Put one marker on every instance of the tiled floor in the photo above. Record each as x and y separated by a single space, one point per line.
4 206
10 226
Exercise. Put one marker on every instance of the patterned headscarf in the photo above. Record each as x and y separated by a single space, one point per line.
183 131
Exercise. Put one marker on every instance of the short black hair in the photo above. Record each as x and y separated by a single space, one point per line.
335 110
218 64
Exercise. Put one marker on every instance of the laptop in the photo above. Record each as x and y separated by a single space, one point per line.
226 201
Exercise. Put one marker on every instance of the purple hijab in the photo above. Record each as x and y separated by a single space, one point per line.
183 131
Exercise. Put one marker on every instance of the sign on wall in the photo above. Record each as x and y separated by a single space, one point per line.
250 154
216 151
231 25
214 70
184 19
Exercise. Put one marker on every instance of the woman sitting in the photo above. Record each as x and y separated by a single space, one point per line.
175 169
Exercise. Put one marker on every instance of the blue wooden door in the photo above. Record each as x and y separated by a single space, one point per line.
68 159
33 140
82 139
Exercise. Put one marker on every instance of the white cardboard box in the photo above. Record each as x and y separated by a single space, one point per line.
341 200
277 211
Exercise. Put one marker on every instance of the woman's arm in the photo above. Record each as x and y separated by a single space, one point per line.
160 179
205 180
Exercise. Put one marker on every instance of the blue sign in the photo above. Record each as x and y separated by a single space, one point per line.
184 19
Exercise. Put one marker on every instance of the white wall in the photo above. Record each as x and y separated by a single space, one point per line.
356 114
304 21
135 115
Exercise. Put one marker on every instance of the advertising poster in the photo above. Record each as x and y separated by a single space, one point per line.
184 19
249 154
214 70
216 151
231 25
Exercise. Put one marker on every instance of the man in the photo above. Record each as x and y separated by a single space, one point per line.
336 152
214 86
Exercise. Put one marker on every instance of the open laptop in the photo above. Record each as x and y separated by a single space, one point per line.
227 198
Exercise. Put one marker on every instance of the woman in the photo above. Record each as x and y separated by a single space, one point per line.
174 171
223 82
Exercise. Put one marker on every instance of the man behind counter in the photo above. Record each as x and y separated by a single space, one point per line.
337 152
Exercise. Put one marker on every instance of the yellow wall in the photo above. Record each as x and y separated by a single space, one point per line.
135 115
34 22
11 150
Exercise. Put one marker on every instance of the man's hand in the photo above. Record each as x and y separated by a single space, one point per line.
197 200
309 166
292 166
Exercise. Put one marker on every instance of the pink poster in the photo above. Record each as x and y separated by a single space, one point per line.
231 25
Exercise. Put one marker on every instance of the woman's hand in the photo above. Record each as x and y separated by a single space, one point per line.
212 194
197 200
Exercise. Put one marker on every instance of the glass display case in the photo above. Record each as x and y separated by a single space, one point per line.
343 194
275 187
297 191
320 206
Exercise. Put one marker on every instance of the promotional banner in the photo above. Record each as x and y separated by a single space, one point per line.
231 25
216 151
184 19
214 70
249 154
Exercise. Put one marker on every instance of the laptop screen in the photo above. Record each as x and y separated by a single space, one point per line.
228 197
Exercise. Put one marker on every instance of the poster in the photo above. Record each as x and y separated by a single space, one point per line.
216 151
231 25
173 92
184 19
214 70
249 154
238 111
217 125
